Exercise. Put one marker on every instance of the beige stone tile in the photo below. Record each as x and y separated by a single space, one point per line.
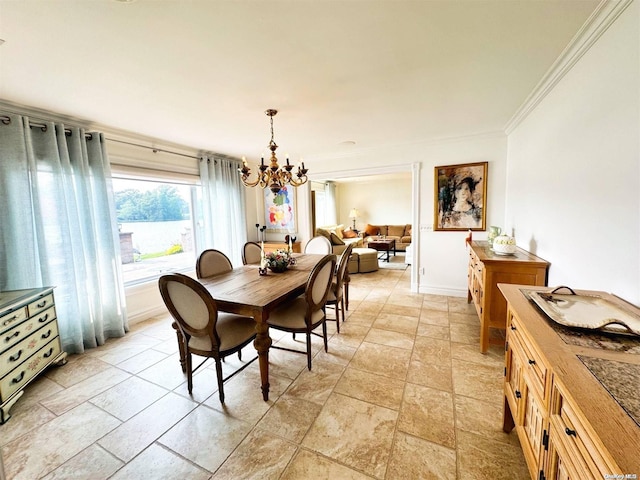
88 388
24 420
140 431
41 388
351 334
43 450
355 433
482 459
204 427
428 413
401 310
369 387
168 347
167 373
460 305
311 466
429 350
128 398
493 357
129 346
390 338
435 303
286 364
434 317
77 369
372 308
468 318
465 333
317 384
397 323
338 352
415 458
359 318
386 361
482 418
378 295
478 381
434 331
260 456
159 463
93 462
405 299
430 375
142 361
290 417
205 385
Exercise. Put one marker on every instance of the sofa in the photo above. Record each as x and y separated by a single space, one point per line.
400 233
340 237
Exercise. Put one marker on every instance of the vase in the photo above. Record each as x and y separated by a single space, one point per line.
493 233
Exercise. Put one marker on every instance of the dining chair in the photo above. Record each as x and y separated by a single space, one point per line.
335 298
204 331
307 312
318 244
251 253
212 262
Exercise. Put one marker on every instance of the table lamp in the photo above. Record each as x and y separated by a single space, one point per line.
354 214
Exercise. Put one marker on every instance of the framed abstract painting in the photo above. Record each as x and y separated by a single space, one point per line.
279 210
460 197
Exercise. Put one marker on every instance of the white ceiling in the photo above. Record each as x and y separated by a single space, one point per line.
201 73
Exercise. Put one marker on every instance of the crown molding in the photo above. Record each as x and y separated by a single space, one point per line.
600 20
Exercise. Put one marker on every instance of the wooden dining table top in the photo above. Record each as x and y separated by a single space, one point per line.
244 288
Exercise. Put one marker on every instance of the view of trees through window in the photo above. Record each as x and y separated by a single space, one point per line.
156 227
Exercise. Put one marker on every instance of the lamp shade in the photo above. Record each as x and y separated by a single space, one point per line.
354 213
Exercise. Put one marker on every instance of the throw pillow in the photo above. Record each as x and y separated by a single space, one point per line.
349 234
340 231
407 230
371 230
335 239
324 233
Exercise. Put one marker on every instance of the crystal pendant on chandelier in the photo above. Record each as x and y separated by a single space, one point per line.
272 175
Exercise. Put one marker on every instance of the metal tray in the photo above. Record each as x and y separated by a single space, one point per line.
586 311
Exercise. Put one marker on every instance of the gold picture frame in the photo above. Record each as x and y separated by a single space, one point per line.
460 197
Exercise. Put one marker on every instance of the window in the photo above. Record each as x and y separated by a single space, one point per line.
157 226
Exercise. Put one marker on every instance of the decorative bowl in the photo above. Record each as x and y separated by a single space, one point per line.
278 261
504 245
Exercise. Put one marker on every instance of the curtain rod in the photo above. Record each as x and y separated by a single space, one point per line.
155 150
67 131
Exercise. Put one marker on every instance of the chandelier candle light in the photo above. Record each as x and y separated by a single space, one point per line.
273 176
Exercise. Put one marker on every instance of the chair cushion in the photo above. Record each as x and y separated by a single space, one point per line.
233 330
291 315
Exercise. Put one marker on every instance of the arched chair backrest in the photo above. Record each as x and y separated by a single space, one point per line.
317 288
342 270
318 244
212 262
193 309
251 253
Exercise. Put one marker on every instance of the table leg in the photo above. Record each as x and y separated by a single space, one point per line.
262 344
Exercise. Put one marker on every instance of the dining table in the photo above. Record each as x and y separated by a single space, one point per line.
244 291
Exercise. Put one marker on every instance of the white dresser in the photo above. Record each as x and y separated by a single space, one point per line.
29 341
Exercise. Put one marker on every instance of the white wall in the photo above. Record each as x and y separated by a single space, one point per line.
573 181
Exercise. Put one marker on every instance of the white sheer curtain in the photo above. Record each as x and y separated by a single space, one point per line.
331 207
57 222
224 209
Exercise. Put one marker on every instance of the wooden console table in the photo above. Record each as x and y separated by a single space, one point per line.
272 246
486 270
564 392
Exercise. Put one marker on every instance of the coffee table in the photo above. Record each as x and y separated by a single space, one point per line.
383 245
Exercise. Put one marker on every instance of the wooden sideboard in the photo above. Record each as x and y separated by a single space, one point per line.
486 270
29 341
569 425
272 246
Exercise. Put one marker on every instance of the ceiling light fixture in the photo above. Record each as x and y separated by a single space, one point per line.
272 175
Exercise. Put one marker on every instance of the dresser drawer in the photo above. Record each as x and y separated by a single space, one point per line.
40 304
11 319
17 378
27 347
19 332
534 364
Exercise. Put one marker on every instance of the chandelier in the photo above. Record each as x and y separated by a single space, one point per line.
273 176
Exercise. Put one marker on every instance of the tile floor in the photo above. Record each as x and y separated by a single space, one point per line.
402 394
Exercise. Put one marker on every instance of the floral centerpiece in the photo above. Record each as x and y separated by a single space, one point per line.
278 260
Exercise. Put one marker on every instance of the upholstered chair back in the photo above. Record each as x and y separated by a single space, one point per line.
319 244
212 262
251 253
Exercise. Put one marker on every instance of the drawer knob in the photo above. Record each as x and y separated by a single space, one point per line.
518 394
9 320
532 362
48 354
570 432
46 335
16 357
43 319
513 327
41 305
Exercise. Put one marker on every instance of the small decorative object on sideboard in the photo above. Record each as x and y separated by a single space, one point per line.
504 245
493 233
